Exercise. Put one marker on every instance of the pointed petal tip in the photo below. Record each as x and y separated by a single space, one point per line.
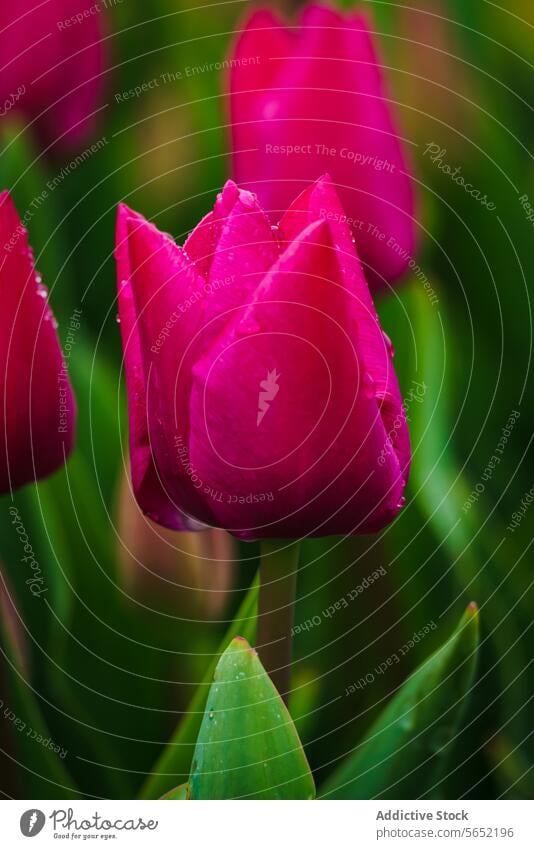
126 213
123 210
261 17
231 195
230 186
321 14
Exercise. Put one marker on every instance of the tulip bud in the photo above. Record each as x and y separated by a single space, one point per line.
262 393
38 407
311 99
53 61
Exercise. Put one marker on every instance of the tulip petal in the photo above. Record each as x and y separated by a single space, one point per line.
53 68
326 109
320 202
232 245
38 407
169 314
285 428
262 38
148 487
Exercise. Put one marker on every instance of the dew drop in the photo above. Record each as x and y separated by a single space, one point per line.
248 200
248 327
406 723
389 345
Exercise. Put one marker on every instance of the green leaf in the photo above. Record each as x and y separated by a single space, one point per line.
403 754
248 746
175 760
180 794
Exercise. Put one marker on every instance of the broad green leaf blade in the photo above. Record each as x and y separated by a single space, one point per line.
248 746
403 754
179 794
175 761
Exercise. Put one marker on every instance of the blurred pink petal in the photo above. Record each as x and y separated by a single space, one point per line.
38 407
52 65
311 99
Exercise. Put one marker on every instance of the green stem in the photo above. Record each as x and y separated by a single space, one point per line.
278 582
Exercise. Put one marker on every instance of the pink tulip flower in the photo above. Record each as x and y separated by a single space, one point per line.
309 99
52 61
262 394
38 407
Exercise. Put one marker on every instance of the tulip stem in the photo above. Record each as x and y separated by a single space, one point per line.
278 583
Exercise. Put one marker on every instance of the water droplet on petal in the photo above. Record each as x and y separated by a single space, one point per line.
248 327
248 200
389 345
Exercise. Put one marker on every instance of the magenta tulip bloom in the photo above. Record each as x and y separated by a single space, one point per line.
51 66
38 407
262 394
311 99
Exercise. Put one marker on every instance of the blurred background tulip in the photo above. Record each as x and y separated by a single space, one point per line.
38 407
308 98
52 65
263 397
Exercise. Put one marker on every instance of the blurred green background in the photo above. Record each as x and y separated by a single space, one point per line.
111 660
